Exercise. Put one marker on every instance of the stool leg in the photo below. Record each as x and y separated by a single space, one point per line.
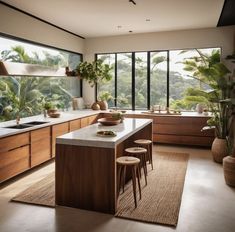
150 156
134 183
138 178
145 168
123 178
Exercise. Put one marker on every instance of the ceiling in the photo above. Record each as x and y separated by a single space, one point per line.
95 18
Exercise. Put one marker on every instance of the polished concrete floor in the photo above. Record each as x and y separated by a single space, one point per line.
208 204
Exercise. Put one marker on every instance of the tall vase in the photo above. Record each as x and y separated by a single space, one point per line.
103 105
219 149
229 170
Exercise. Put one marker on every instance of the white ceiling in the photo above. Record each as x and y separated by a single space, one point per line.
94 18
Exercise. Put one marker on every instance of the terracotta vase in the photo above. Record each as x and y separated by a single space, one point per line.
219 149
95 106
229 170
103 105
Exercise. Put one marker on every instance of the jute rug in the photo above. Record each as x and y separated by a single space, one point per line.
161 198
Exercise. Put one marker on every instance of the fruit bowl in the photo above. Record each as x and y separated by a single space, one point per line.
109 121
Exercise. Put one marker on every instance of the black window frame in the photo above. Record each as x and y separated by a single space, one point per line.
148 73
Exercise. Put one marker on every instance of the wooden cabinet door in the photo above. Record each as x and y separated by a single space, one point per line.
84 122
58 130
75 125
40 146
13 162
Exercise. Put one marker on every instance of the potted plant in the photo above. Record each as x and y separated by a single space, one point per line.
229 161
103 99
94 72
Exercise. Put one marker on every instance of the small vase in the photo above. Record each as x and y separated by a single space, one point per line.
103 105
219 149
199 108
95 106
229 170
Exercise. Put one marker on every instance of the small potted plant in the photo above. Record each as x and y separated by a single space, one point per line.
103 99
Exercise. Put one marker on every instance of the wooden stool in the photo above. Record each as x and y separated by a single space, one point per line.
140 153
132 162
146 144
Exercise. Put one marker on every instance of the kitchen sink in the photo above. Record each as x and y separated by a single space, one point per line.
35 123
20 126
26 125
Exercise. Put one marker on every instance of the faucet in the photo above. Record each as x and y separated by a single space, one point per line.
17 119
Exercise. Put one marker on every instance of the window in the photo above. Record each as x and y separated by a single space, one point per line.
25 95
144 79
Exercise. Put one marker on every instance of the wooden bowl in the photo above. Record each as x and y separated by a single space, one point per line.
54 115
109 121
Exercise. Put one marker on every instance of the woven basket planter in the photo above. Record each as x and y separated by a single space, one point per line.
219 150
229 170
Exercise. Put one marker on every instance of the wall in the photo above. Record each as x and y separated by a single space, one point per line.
201 38
18 24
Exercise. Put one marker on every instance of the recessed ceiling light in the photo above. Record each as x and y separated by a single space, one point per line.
119 27
147 20
130 31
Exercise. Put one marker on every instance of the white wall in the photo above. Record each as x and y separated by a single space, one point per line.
201 38
18 24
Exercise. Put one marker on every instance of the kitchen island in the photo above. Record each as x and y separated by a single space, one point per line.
86 164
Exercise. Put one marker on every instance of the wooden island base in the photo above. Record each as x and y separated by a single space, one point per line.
86 176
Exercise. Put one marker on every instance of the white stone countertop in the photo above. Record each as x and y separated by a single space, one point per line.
87 136
72 115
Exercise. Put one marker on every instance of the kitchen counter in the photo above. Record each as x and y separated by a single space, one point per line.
87 136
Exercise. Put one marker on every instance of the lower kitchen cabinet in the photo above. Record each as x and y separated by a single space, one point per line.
40 146
75 125
58 130
14 155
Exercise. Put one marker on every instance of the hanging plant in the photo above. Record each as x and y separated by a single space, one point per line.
94 72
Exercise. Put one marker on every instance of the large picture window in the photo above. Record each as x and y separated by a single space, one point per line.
144 79
24 95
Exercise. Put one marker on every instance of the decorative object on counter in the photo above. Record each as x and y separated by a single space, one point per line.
109 121
205 112
55 115
103 99
106 133
95 106
78 103
118 115
199 108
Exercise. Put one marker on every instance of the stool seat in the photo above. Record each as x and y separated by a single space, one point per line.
127 160
143 141
136 150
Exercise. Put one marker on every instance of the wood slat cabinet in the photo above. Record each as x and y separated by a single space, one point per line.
89 120
14 155
58 130
75 125
185 130
40 146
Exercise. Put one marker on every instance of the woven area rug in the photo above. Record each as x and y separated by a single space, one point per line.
161 198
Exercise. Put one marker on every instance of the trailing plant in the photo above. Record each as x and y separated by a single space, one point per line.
105 96
94 72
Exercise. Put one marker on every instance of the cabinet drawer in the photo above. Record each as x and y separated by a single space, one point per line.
13 142
189 129
84 122
75 125
179 120
58 130
40 151
14 162
40 134
180 139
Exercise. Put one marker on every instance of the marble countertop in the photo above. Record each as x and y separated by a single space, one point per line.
87 135
65 116
71 115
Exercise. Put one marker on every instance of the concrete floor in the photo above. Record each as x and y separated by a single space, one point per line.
208 204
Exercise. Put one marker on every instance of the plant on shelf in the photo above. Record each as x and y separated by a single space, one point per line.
94 72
